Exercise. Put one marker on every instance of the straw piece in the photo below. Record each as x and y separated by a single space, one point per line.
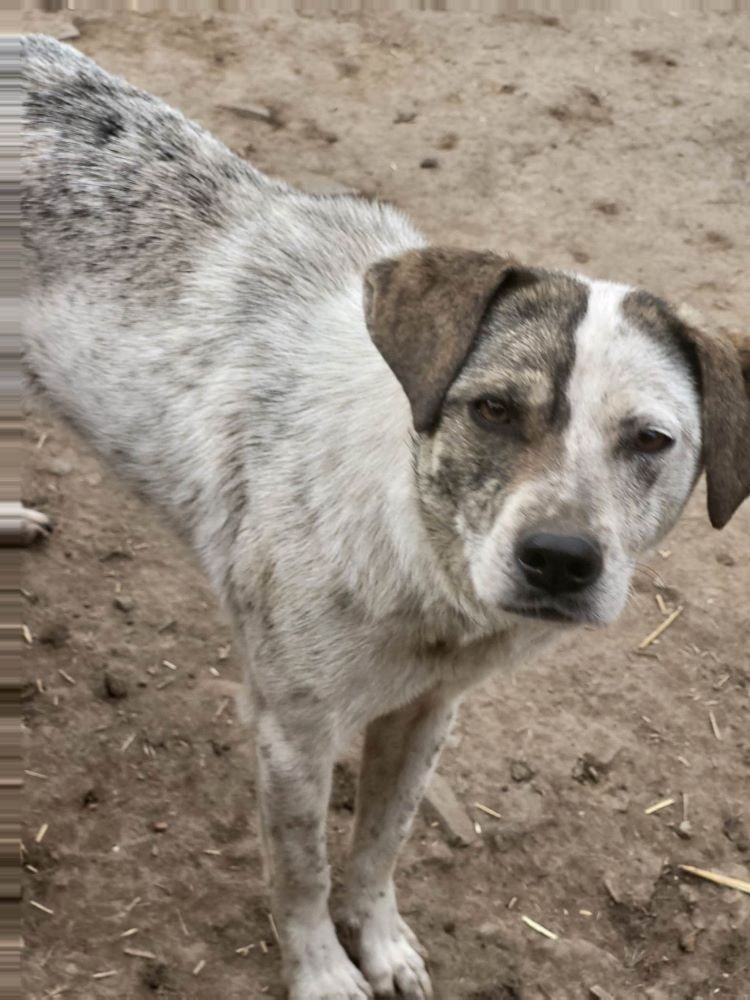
714 725
137 953
740 884
658 806
660 629
487 810
540 929
40 906
223 706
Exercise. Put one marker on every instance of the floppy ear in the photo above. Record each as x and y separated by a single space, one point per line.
424 310
741 342
724 368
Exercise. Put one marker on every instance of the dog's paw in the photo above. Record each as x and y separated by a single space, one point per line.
340 982
321 970
22 526
392 959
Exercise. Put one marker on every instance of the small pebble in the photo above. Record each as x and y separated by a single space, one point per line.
439 854
684 829
687 940
489 930
115 683
448 141
55 634
57 467
520 771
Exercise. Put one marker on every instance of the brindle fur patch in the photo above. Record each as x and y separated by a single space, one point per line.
424 310
525 353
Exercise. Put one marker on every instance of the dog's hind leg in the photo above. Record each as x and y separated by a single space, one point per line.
400 753
295 763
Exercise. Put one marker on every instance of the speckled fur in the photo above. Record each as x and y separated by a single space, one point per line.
205 327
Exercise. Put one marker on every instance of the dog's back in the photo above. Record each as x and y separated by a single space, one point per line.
119 187
179 301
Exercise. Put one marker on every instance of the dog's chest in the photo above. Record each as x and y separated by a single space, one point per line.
409 658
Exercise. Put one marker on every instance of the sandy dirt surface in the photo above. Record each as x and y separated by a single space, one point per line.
620 146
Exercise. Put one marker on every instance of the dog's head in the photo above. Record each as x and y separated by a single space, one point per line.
560 423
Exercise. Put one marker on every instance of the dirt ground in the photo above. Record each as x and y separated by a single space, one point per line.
618 145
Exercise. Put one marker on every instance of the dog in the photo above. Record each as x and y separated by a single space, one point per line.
402 466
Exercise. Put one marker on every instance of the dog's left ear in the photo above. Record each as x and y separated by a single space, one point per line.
724 367
741 342
424 310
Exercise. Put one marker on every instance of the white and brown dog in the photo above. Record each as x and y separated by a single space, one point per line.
401 466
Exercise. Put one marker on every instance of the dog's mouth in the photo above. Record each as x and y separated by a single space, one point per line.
549 613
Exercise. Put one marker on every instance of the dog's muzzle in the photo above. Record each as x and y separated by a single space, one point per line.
557 573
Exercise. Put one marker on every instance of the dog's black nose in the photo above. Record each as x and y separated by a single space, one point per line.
559 564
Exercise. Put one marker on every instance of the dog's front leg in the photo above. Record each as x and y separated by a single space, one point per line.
401 750
295 759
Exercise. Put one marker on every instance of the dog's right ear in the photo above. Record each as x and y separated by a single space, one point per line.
424 310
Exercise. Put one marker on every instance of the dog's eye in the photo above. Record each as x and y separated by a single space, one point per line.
491 412
649 441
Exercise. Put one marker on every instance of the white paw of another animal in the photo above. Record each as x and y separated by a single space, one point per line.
21 525
391 958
